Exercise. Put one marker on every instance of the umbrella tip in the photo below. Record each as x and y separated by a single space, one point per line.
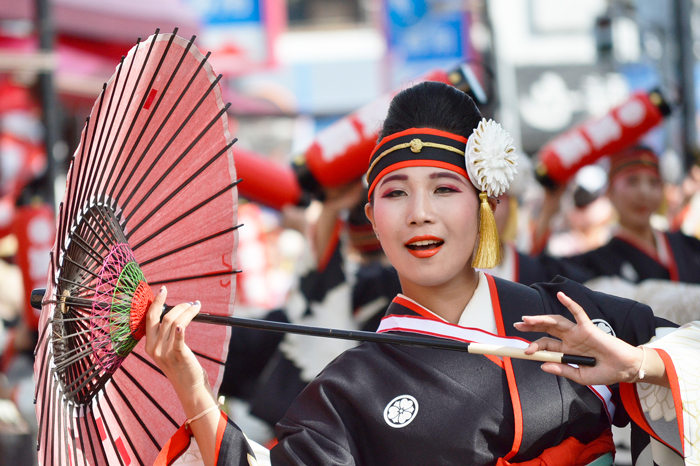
36 298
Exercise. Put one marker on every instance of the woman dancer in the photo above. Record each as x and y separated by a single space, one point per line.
637 251
384 404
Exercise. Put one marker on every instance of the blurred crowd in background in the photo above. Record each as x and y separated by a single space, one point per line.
557 74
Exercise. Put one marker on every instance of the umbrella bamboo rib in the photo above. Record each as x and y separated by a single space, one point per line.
42 375
184 215
127 136
89 414
91 171
108 431
71 417
135 414
75 174
189 245
121 122
166 119
179 187
84 178
176 162
145 125
116 416
195 277
148 395
98 179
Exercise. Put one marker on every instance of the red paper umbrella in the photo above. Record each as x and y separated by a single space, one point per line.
150 201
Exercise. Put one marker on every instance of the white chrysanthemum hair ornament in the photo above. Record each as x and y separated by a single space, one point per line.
491 158
487 158
491 164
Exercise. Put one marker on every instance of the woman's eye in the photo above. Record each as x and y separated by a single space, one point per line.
633 181
445 190
393 193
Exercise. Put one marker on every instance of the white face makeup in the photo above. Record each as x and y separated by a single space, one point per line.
427 220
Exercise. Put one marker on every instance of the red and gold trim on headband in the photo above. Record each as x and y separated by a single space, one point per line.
633 158
416 147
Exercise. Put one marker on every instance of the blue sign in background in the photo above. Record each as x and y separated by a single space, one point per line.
228 11
426 29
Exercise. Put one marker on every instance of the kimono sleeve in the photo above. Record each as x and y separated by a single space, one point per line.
314 431
234 449
672 415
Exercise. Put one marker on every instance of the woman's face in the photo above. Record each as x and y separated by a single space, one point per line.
636 195
426 219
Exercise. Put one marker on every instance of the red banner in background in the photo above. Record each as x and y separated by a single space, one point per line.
582 145
34 227
265 181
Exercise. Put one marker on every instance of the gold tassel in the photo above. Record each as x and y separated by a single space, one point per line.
488 252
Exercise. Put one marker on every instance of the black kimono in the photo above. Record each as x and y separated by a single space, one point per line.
381 404
677 259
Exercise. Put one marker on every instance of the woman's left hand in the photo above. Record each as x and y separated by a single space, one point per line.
616 360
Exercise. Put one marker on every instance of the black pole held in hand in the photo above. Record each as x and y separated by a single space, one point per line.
359 335
389 338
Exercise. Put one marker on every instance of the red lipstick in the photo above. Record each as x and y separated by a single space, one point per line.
424 246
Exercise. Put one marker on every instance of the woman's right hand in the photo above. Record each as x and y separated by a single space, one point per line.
616 360
165 343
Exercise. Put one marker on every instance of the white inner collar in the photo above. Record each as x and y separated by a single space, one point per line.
479 310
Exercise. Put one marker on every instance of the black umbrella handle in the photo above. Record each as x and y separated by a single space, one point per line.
391 338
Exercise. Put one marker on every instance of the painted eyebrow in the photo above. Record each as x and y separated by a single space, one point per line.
388 178
447 175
